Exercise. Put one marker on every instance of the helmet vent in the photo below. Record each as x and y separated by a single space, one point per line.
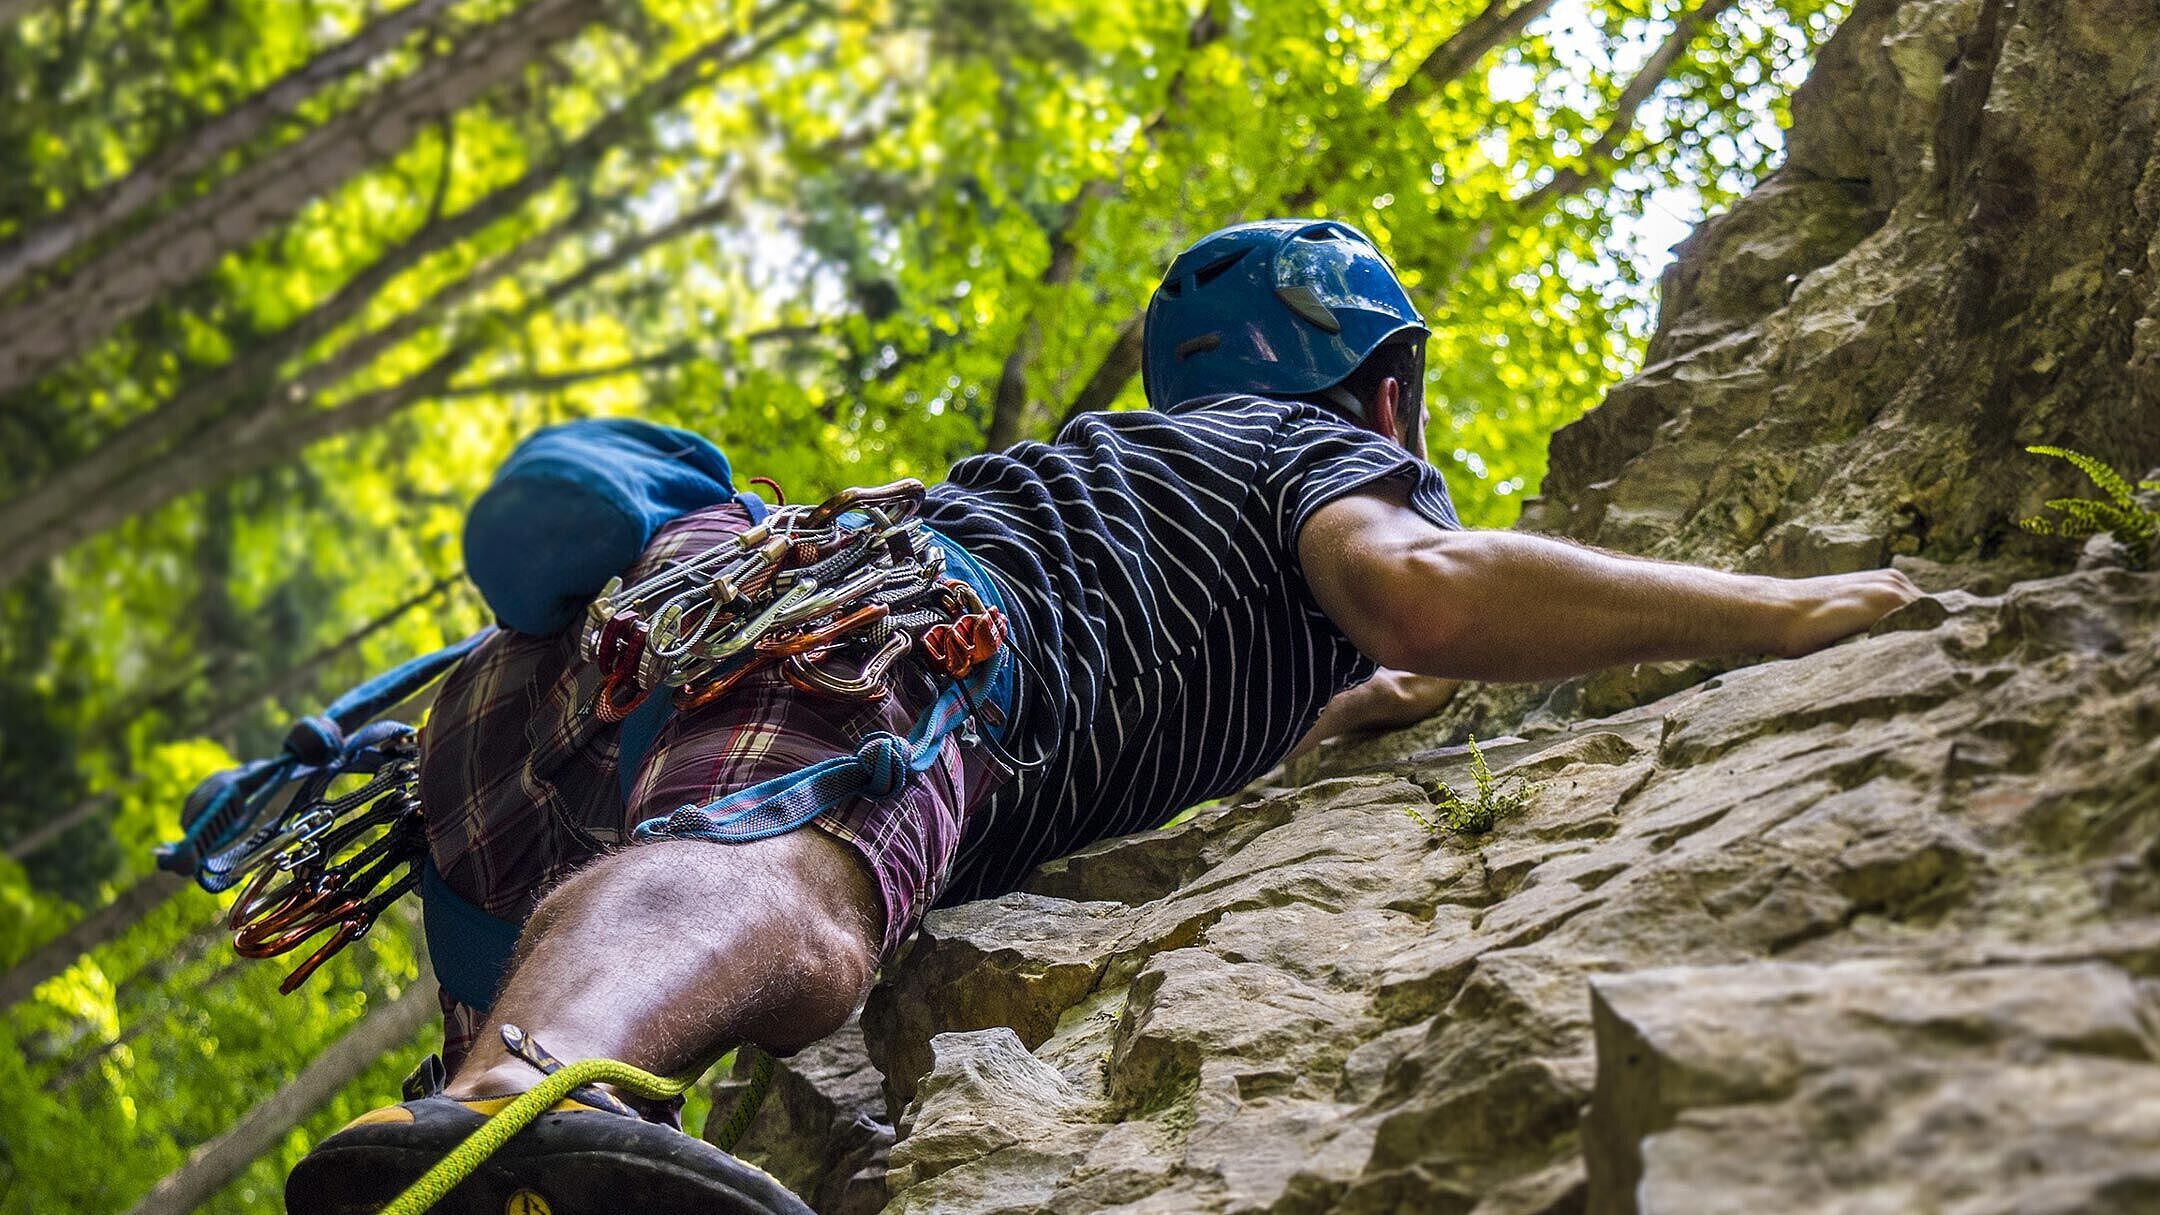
1199 345
1215 270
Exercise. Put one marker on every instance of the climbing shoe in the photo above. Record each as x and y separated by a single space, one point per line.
575 1159
565 1147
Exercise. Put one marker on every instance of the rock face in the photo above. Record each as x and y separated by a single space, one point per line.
1876 930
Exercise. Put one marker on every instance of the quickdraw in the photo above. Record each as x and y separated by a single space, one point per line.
335 869
832 596
316 855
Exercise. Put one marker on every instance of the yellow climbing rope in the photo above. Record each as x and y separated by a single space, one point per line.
467 1157
746 1107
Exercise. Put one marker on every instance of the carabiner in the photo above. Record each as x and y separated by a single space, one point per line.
351 929
829 634
907 491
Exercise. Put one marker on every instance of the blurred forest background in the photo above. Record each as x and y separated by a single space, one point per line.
282 280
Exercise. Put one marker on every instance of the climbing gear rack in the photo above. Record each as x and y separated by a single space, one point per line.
831 595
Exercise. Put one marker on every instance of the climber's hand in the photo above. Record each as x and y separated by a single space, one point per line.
1390 698
1835 606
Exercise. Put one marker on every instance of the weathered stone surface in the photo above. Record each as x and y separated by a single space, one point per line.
1875 1086
1958 258
821 1128
1819 906
1875 930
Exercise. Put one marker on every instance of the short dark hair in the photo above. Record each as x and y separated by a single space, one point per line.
1401 357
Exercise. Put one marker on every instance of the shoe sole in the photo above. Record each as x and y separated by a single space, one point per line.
674 1175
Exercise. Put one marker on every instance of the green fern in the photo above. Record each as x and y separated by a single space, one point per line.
1477 813
2126 518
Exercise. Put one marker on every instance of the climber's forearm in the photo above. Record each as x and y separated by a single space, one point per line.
1525 607
1513 606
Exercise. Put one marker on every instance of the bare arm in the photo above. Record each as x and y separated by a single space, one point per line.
1513 606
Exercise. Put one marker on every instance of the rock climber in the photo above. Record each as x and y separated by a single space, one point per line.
1191 589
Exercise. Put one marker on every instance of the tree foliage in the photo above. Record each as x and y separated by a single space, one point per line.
282 280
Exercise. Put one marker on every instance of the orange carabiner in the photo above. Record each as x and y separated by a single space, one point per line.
686 699
270 940
257 904
906 489
348 930
817 639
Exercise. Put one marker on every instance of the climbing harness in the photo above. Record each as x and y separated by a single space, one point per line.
564 1081
833 597
322 838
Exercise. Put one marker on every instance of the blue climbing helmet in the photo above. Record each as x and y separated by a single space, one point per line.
1281 307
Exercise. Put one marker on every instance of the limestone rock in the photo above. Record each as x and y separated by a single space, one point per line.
1895 905
1876 1086
821 1128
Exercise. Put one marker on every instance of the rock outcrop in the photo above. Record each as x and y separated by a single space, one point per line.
1873 930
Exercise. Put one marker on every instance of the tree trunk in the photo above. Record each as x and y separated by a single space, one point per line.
1119 365
281 426
224 715
10 10
109 289
34 526
26 522
93 216
226 1157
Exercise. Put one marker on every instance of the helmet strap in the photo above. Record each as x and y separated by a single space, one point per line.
1347 401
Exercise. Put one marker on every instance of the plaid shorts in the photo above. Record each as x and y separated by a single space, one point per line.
521 785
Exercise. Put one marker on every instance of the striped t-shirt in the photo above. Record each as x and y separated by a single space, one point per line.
1171 649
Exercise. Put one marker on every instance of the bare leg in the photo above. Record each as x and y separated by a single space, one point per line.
667 954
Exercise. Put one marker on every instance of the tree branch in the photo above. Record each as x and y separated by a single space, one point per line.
1450 60
1463 50
98 213
223 717
1598 162
281 425
553 381
67 318
1009 403
73 1071
27 522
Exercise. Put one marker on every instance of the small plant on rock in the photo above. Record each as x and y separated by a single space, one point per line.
1490 798
2125 515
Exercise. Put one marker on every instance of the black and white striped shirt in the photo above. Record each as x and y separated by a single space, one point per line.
1172 651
